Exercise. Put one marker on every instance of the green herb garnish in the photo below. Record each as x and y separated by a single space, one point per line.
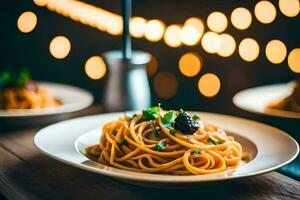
160 146
128 117
212 140
195 117
156 131
123 142
196 152
168 119
13 79
173 132
151 113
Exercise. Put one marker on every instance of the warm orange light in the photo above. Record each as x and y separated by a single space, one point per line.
165 85
265 12
276 51
190 64
227 45
27 22
95 67
196 23
211 42
114 27
154 30
172 36
137 26
189 35
294 60
241 18
209 85
289 8
40 2
60 47
152 66
217 22
248 49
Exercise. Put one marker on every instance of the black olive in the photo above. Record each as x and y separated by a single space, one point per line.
185 124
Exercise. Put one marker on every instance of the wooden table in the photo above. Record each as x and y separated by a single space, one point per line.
27 174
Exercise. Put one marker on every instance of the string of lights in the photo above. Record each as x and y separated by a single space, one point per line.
191 33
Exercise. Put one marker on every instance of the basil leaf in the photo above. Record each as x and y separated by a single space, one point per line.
151 113
169 117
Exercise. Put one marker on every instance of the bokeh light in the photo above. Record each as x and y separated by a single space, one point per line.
227 45
165 85
265 12
154 30
95 67
217 22
241 18
276 51
27 22
209 85
152 66
190 64
60 47
40 2
289 8
189 35
137 27
294 60
114 27
211 42
196 23
172 36
248 49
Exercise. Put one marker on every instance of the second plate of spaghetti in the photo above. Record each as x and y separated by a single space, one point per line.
157 146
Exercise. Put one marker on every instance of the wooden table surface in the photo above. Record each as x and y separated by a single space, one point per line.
27 174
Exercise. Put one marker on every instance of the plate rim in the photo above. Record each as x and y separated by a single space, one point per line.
23 113
125 176
275 113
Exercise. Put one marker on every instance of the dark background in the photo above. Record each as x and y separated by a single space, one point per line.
31 50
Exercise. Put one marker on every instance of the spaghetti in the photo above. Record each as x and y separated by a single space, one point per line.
155 145
24 98
18 91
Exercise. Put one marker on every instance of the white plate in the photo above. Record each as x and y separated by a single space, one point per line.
256 100
73 99
270 147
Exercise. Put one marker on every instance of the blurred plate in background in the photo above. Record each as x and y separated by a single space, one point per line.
256 99
72 98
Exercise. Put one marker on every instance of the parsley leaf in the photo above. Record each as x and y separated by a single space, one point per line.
24 76
169 118
128 117
151 113
14 79
172 132
212 140
156 131
195 117
196 152
160 146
